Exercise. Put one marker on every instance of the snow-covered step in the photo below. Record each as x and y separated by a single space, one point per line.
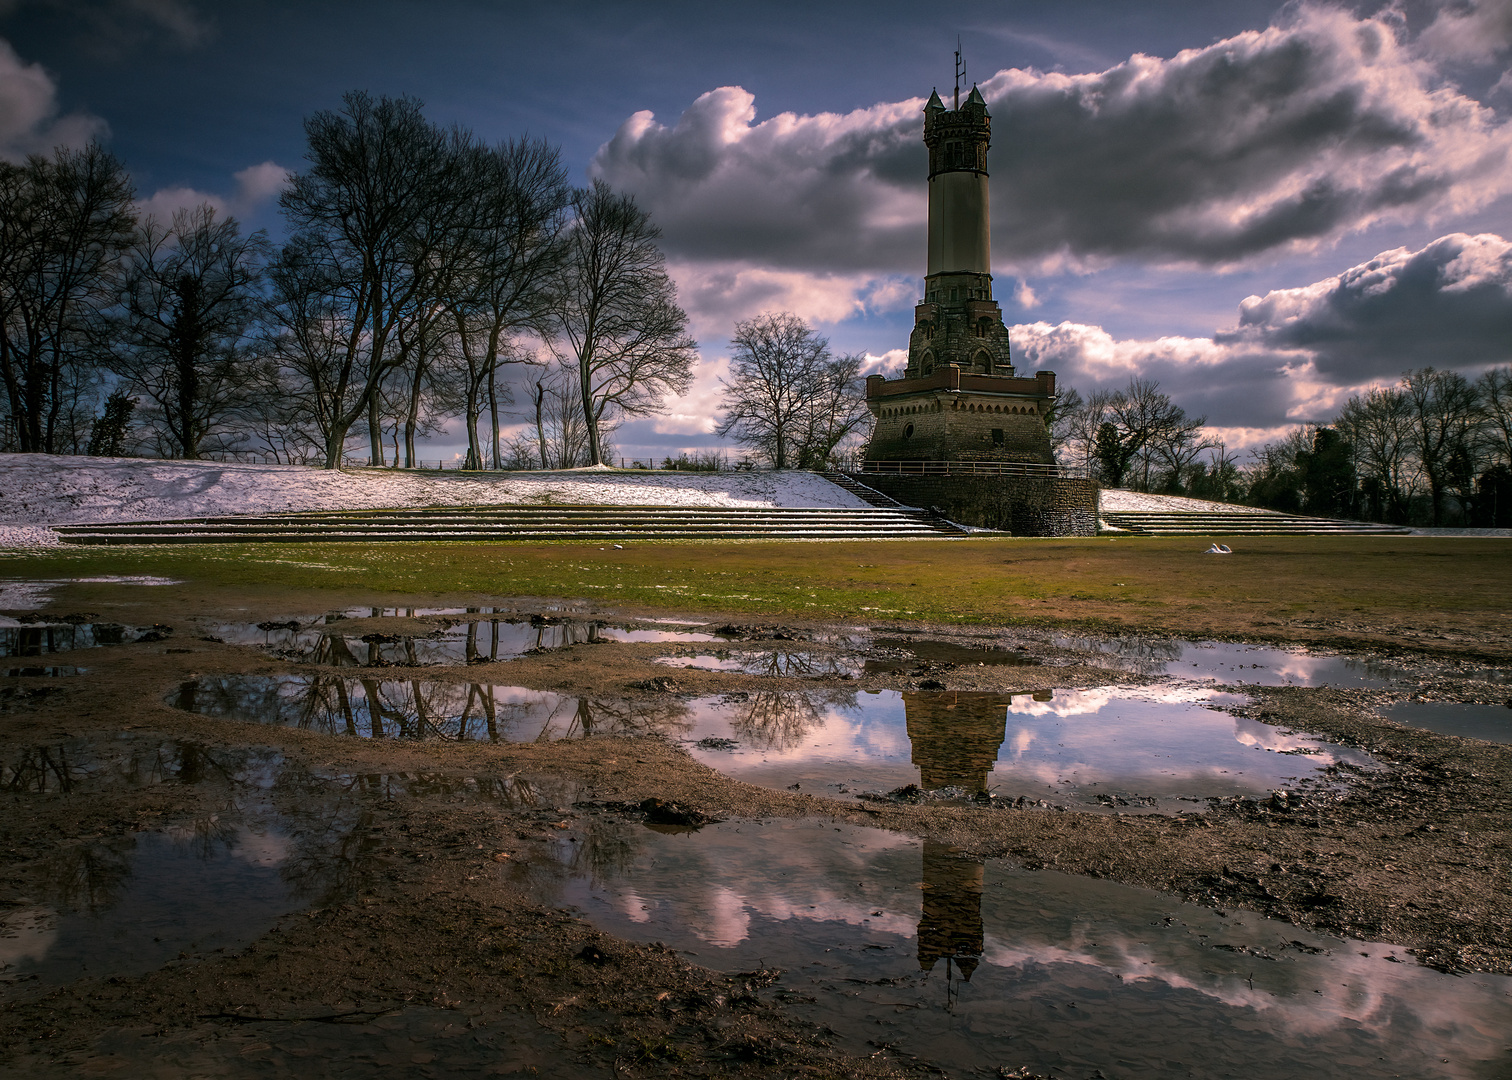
478 524
1239 523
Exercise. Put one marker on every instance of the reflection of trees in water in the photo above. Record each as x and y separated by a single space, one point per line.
479 641
779 720
251 789
514 791
139 763
89 876
424 709
41 770
790 663
624 716
1144 655
41 640
606 851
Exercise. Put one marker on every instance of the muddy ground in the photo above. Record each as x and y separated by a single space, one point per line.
427 959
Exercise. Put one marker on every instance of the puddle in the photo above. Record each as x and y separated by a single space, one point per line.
59 671
327 641
981 968
19 595
1164 749
778 663
898 655
132 905
913 653
1493 723
1227 662
278 841
619 633
421 709
41 640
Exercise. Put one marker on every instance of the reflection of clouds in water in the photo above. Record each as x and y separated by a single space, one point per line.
260 848
728 922
1341 988
26 936
714 883
1018 745
631 905
1064 703
784 726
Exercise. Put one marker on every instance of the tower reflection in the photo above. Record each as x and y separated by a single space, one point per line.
955 738
950 925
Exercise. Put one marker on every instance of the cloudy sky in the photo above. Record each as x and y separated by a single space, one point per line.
1265 207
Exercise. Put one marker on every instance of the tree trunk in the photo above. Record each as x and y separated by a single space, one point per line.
375 429
540 401
590 419
493 416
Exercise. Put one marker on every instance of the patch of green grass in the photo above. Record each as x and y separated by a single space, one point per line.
1149 581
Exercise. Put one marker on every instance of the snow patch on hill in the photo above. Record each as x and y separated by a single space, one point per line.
37 490
1117 500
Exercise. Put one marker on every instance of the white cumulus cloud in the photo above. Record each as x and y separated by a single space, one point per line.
30 120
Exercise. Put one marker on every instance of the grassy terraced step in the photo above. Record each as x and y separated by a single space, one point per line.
484 523
1240 523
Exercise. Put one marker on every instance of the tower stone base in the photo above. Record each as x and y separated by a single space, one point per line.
953 415
1021 505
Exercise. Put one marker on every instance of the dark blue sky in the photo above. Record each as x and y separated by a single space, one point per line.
1137 202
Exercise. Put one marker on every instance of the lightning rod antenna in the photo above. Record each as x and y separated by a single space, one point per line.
960 69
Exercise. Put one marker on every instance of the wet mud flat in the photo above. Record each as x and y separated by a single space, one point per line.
849 851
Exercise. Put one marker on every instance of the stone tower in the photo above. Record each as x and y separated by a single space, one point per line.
959 398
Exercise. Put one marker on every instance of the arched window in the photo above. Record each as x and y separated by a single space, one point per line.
982 362
926 364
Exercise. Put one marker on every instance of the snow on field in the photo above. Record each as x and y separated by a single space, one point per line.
42 489
1118 500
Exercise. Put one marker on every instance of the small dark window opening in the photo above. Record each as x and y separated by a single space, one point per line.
997 436
908 432
953 293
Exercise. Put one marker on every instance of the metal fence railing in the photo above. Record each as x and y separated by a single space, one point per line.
975 468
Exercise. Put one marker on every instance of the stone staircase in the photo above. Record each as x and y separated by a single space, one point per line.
1240 523
861 491
485 523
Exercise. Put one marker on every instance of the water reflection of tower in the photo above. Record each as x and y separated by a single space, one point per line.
955 737
950 924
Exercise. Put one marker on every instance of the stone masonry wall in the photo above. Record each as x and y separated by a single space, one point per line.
1022 505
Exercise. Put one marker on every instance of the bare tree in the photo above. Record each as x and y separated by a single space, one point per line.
316 384
1379 427
1445 412
1064 420
560 430
616 308
504 268
369 218
65 223
1495 388
1135 425
188 307
778 370
836 412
